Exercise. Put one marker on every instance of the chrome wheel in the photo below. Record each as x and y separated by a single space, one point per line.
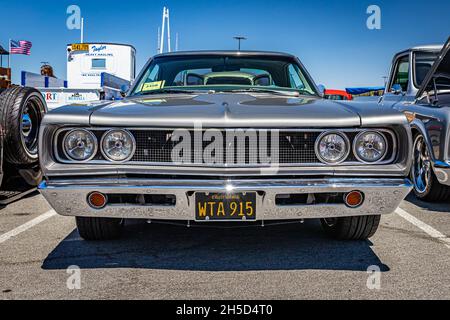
421 169
29 128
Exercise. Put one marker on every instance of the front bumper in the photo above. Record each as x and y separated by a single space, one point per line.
69 198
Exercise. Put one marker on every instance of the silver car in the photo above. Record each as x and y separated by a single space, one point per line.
255 143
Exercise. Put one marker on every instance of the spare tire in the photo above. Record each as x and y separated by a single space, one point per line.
21 113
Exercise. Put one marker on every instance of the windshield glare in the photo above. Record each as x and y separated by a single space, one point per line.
223 73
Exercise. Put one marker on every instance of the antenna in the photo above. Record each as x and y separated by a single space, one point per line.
177 40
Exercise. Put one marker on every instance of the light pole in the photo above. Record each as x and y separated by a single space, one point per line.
239 39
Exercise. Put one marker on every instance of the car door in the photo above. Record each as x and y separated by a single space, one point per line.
399 83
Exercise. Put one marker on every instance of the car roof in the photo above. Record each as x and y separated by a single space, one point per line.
433 47
226 53
430 47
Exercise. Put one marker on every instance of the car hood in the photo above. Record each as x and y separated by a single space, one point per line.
439 73
225 110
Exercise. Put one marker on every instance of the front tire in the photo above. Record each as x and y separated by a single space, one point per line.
95 229
351 228
426 185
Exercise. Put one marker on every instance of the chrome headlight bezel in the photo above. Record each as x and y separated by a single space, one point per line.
133 149
95 150
347 147
362 133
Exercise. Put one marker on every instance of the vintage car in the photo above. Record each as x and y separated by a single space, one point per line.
419 86
235 153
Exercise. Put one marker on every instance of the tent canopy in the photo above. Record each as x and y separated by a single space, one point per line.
362 90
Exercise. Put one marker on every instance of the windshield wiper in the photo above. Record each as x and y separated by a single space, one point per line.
168 90
273 91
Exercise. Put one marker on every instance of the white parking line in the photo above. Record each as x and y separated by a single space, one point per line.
26 226
424 227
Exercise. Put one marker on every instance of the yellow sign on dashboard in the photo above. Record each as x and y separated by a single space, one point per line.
151 86
80 47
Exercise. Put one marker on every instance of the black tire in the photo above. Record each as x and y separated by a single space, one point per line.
94 229
351 228
426 189
21 113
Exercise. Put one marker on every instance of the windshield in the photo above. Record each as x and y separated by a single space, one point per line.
223 73
423 63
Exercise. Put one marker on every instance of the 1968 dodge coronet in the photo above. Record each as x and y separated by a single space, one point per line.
215 137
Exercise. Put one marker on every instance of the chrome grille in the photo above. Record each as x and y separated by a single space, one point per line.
155 146
295 148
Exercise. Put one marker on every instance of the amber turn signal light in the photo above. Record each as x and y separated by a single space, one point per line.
97 200
354 199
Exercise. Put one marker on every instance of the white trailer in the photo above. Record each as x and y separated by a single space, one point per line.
95 71
86 62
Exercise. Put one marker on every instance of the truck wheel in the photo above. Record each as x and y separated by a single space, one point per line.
21 113
426 185
351 228
93 229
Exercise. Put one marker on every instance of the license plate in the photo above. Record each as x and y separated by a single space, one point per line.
225 207
80 47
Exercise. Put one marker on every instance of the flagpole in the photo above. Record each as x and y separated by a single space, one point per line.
9 55
82 30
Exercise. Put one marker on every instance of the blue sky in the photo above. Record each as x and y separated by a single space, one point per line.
330 37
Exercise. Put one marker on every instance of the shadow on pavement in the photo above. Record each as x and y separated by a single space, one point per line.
436 206
166 247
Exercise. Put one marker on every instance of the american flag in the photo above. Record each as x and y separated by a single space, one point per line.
20 47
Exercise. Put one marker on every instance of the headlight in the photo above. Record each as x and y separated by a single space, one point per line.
118 145
370 146
80 145
332 147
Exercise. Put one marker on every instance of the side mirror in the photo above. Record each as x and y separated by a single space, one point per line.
124 90
396 89
321 88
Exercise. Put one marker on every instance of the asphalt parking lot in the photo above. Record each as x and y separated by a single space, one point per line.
411 250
